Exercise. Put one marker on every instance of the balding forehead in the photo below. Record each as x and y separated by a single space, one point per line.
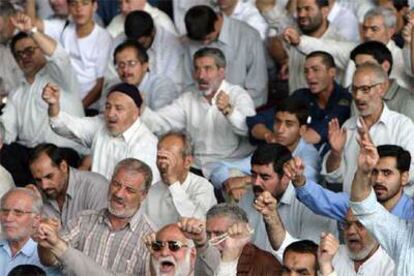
170 232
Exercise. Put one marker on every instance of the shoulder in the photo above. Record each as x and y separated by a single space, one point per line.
89 178
258 258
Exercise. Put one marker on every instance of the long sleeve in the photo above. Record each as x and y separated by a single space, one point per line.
323 201
81 130
10 122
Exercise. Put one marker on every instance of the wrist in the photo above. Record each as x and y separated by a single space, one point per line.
32 30
300 182
59 249
326 268
53 110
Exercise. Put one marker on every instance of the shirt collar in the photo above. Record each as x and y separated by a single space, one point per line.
288 196
132 223
71 184
383 119
132 130
225 34
28 248
398 209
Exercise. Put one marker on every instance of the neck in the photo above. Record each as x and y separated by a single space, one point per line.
357 264
16 246
390 204
183 177
117 223
323 97
85 29
293 146
371 119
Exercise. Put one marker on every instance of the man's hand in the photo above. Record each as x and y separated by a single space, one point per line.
270 138
291 36
223 103
22 22
167 161
239 236
266 205
328 247
235 187
148 240
294 169
51 96
336 137
284 71
407 33
194 229
368 154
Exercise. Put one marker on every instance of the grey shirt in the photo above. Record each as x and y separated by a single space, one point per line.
245 56
86 191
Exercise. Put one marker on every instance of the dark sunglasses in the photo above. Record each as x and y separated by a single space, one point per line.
173 246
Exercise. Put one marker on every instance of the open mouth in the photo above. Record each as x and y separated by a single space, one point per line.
167 266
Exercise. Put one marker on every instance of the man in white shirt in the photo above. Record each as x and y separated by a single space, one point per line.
214 114
385 126
267 175
180 193
161 19
116 135
246 12
132 65
344 20
24 117
240 43
163 60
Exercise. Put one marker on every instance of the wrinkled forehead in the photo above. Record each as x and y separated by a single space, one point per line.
171 233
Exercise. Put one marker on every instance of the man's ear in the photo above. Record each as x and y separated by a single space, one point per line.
405 178
188 161
325 11
302 130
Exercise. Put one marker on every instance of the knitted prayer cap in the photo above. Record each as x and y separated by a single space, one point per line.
129 90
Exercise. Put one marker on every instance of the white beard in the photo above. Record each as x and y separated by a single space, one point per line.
181 269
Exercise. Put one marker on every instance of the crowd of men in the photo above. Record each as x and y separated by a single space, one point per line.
207 137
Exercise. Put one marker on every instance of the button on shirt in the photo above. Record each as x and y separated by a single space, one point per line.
167 204
335 205
86 190
25 114
215 136
298 220
391 128
26 255
119 251
137 142
395 235
245 56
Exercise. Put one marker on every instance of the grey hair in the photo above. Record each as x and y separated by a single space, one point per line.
185 138
135 166
378 73
388 15
231 211
37 203
214 53
6 9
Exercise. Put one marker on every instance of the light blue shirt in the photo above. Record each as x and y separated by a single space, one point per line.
26 255
335 205
395 235
307 152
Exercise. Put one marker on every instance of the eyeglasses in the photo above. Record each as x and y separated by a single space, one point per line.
173 246
365 89
129 64
15 212
28 51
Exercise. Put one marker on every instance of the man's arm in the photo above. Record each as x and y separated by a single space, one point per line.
337 140
30 10
94 94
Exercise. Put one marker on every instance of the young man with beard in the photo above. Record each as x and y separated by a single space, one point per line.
122 225
361 254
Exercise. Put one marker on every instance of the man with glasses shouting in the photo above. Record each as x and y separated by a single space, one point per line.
384 126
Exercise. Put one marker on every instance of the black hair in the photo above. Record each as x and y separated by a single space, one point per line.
275 154
138 24
16 38
327 59
27 270
200 21
375 49
140 51
295 106
304 247
402 156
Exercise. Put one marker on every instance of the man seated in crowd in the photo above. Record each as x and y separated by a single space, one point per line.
385 126
65 190
122 225
267 175
42 60
361 254
290 124
388 180
214 115
19 219
116 27
239 43
116 135
132 66
397 98
180 193
393 234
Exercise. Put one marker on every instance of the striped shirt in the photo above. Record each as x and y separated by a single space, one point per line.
121 251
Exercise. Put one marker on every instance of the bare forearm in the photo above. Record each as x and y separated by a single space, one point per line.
94 94
360 186
333 162
46 43
275 230
30 10
259 131
47 258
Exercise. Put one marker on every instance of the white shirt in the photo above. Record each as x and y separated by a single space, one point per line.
345 22
215 136
89 55
391 128
297 61
378 264
25 115
6 182
167 204
160 18
10 73
136 142
247 12
298 220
